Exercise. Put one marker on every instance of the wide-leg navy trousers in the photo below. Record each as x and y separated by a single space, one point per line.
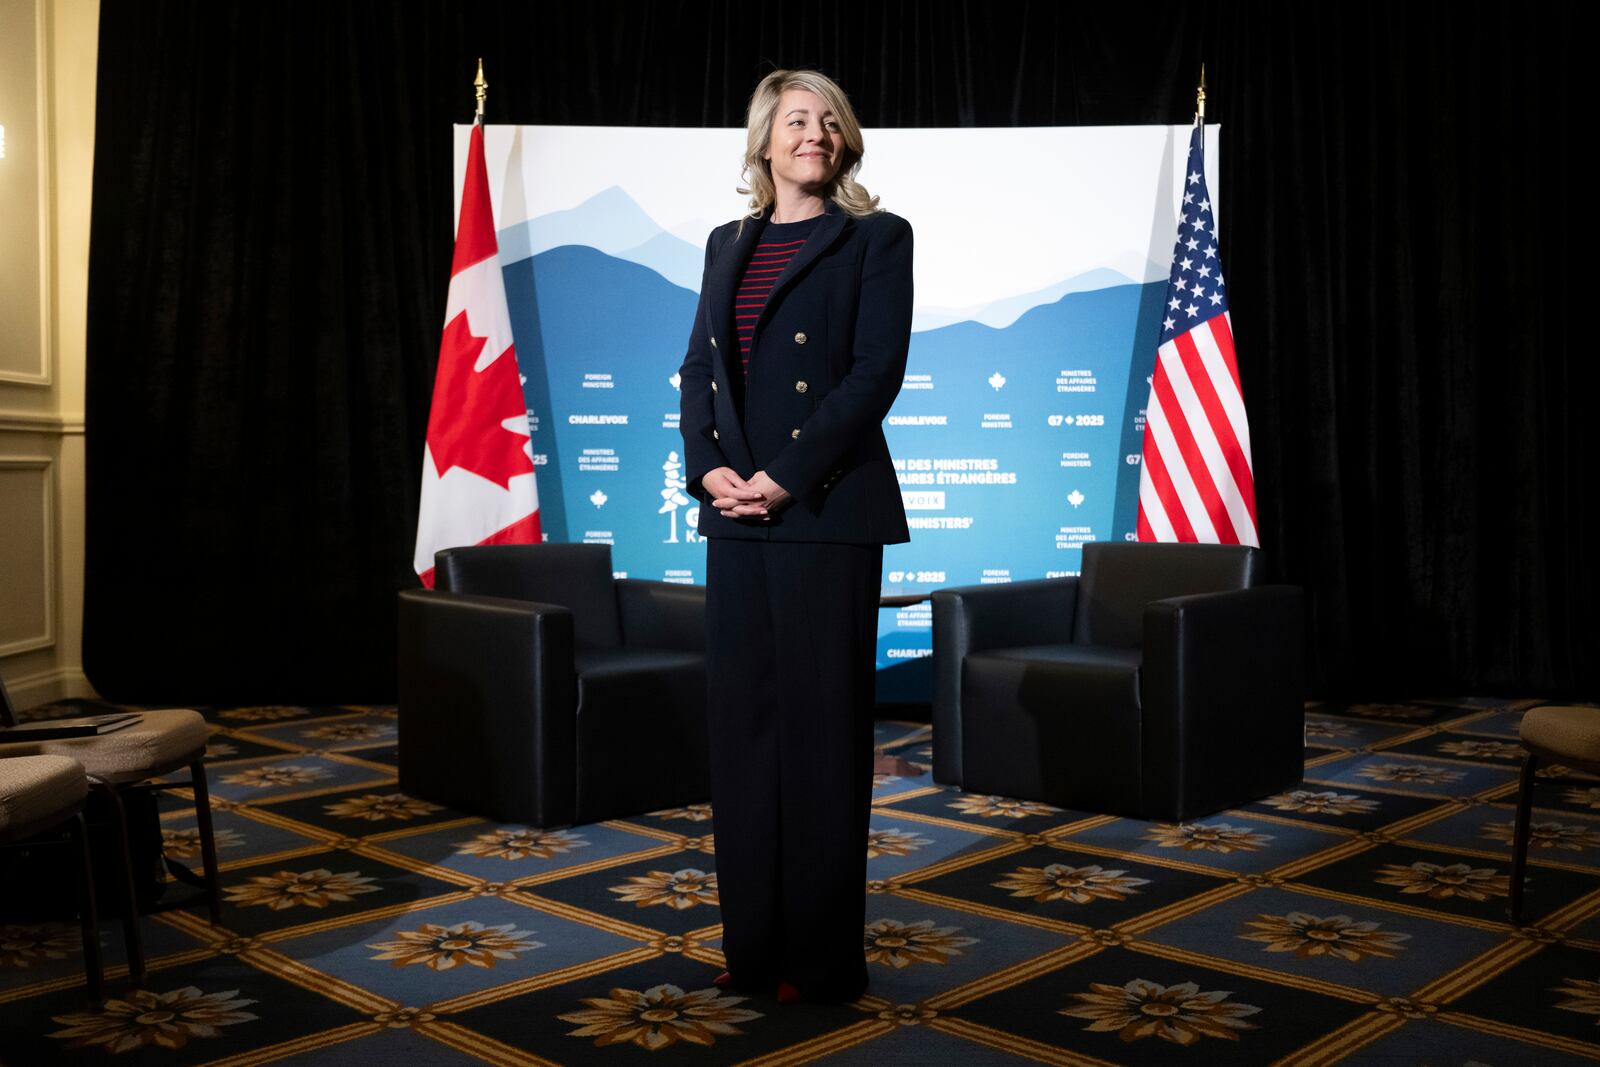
791 634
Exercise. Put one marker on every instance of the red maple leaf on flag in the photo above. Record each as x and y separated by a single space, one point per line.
464 428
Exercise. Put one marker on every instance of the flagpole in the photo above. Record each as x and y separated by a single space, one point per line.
481 88
1199 96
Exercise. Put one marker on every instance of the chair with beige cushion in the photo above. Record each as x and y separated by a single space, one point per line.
44 793
161 743
1569 736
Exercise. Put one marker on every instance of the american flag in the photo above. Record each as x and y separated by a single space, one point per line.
1195 482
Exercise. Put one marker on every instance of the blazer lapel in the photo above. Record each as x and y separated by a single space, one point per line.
827 230
722 285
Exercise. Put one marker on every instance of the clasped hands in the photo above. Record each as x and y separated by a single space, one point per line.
737 498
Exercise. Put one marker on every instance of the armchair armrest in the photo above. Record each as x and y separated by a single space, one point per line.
488 703
662 614
1223 677
972 618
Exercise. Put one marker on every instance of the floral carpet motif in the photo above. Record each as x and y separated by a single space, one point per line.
659 1017
894 842
296 889
167 1020
1356 917
687 888
1179 1013
1215 837
898 944
1059 881
444 947
522 844
1308 936
1324 802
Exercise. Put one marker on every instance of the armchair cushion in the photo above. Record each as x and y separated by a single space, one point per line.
662 614
159 743
1563 734
39 791
606 674
1059 677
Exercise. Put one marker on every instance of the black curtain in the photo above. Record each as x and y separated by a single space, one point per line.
271 240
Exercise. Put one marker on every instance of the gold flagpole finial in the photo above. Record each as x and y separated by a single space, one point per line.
1200 96
482 88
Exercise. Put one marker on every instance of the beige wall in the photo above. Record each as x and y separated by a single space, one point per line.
47 83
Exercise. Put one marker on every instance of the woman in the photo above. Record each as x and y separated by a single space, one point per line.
798 349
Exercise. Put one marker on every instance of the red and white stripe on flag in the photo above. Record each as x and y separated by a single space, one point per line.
1196 481
478 485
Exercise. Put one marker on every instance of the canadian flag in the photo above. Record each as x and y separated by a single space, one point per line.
477 467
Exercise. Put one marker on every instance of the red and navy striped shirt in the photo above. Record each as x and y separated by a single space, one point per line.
777 246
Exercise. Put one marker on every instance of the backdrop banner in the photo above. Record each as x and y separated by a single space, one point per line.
1042 260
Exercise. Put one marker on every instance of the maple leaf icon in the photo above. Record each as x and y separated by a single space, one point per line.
997 380
466 427
1075 498
598 499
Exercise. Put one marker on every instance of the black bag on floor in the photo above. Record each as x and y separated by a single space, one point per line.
39 878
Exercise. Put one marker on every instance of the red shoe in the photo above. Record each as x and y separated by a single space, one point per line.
788 994
723 980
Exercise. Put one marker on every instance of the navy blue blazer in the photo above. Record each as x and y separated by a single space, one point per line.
826 362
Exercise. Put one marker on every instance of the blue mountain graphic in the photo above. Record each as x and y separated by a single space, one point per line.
614 223
675 259
609 220
1004 312
1092 320
598 310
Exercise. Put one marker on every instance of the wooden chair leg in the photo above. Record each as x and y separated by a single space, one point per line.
1519 839
208 841
94 970
130 912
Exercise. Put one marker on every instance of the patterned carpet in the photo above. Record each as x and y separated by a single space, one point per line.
1357 920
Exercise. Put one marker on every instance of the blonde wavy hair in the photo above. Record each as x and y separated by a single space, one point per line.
844 190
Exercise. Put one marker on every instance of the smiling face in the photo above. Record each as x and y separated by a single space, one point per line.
805 146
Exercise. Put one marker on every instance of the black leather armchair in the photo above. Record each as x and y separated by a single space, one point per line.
1164 682
535 688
